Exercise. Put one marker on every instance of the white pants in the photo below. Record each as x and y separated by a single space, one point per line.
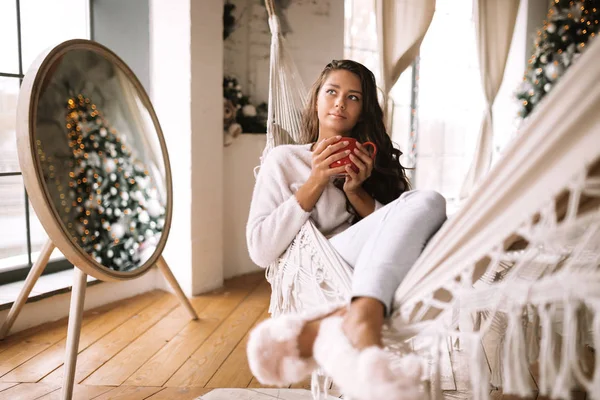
384 246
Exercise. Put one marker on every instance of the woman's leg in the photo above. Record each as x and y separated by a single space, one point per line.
381 248
394 246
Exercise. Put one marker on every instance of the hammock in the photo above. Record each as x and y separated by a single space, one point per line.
521 256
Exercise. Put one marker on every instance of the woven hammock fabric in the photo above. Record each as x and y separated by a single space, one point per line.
521 256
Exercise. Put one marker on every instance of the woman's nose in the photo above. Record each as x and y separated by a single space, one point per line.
340 104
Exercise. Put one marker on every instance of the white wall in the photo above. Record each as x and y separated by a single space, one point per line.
317 37
186 73
123 27
240 159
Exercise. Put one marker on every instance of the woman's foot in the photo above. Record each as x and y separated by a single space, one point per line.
279 349
350 350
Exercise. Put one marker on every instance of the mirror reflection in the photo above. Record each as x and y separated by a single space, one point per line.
101 160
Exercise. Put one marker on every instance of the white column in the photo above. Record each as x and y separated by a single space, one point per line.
186 58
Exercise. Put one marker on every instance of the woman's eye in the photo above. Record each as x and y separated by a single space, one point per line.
354 98
330 91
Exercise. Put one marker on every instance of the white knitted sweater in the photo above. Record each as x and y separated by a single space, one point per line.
275 215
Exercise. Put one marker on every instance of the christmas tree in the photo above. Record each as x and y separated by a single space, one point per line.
117 211
570 25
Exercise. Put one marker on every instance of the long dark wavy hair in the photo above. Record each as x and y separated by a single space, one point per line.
388 179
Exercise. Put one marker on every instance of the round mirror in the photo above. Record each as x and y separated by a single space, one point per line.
94 160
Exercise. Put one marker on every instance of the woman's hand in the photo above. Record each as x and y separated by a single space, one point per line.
363 161
324 155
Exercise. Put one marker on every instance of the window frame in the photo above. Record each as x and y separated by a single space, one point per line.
19 273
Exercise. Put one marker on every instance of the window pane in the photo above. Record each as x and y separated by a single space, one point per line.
39 237
9 50
47 23
9 92
13 240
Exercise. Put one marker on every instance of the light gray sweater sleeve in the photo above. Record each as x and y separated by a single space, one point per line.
275 216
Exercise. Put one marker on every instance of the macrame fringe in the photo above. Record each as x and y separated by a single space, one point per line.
515 368
478 370
594 389
565 380
437 393
532 336
547 360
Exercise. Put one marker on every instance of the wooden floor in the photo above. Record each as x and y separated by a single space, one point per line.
146 347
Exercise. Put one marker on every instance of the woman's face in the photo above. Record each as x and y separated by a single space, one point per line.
339 102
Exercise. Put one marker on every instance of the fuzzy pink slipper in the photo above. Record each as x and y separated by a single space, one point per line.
272 350
366 374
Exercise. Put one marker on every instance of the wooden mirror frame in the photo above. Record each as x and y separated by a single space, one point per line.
31 167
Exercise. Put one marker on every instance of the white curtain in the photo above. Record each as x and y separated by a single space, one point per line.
494 24
401 27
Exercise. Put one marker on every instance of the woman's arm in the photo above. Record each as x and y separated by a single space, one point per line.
275 216
362 202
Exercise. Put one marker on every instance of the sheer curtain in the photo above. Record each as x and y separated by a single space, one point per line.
495 24
450 98
401 27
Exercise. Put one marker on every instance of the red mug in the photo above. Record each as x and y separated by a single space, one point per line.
351 146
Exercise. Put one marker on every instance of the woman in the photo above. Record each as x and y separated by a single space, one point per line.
372 220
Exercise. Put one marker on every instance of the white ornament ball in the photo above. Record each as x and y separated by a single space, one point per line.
148 233
154 208
543 59
113 191
103 132
143 217
117 212
110 254
113 177
125 196
110 165
249 110
547 87
551 28
109 211
146 253
118 230
553 71
161 223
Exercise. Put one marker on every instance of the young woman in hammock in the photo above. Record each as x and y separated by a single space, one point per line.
372 220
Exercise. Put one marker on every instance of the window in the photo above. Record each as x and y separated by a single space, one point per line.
439 101
27 28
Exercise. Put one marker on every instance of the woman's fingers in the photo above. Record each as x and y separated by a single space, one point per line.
358 162
351 173
332 149
363 155
336 156
321 146
337 170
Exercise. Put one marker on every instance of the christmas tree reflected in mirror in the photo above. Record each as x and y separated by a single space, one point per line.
101 161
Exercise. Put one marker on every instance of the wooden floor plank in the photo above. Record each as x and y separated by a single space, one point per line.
174 354
157 346
172 393
47 361
94 356
255 384
205 361
490 342
129 393
80 392
7 385
235 372
116 370
28 391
